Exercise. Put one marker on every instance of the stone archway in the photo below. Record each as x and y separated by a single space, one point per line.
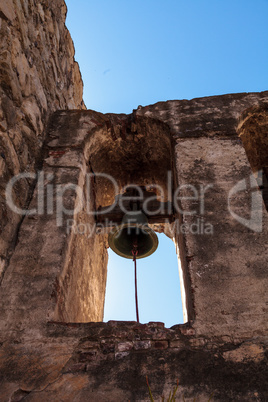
117 151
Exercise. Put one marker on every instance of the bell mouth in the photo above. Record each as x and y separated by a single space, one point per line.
122 237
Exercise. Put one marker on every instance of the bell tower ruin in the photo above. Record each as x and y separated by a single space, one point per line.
57 160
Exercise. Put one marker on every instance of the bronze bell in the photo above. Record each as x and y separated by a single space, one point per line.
134 230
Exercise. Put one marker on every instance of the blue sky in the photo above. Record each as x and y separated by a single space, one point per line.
140 52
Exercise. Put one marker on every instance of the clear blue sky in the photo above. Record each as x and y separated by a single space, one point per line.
140 52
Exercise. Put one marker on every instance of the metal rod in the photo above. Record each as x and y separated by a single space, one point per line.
136 291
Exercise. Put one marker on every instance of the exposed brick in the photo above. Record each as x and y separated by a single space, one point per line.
176 344
160 344
89 345
124 346
121 355
187 331
156 324
139 345
107 347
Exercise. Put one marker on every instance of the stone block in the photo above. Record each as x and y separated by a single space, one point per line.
89 345
245 352
176 344
107 347
33 114
124 346
142 345
187 331
7 10
160 344
121 355
156 324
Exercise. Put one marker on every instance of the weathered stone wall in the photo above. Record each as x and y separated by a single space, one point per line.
56 274
209 152
53 278
110 361
38 75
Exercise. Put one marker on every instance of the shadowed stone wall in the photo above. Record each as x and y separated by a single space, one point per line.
110 362
38 75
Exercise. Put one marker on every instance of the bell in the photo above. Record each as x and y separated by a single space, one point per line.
133 231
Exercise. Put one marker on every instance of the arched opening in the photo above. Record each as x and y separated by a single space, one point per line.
253 131
125 152
146 162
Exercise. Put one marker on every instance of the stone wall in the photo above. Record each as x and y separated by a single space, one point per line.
53 279
208 152
110 362
38 75
57 274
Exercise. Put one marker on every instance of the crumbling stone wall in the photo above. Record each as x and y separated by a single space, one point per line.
54 274
38 75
